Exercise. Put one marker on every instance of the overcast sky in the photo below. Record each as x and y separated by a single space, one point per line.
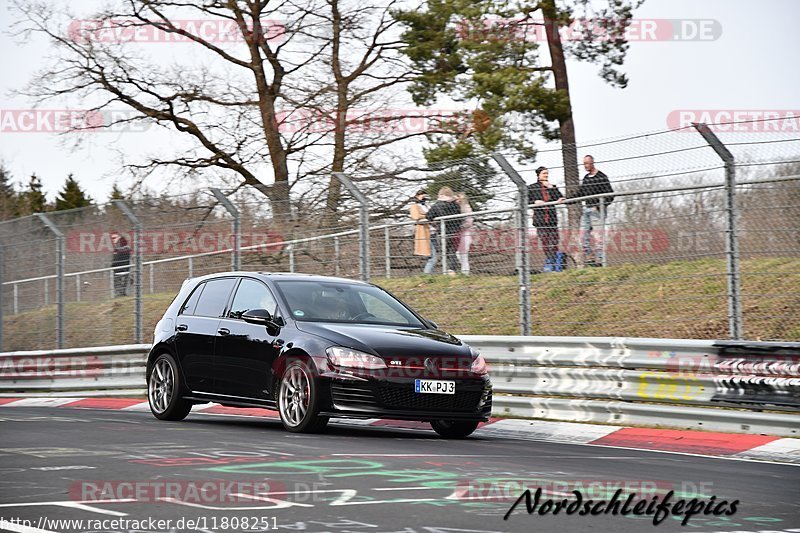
751 65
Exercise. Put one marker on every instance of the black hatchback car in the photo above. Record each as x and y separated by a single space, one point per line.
312 347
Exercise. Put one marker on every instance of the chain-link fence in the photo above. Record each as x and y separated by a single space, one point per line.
699 239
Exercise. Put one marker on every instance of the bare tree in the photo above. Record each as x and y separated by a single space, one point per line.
289 93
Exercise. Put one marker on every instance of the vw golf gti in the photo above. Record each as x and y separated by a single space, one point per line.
313 348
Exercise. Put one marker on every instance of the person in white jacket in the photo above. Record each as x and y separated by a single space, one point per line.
466 233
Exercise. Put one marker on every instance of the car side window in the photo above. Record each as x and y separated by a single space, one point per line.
381 310
252 294
215 296
191 302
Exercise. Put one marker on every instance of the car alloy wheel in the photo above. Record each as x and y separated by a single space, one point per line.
162 385
297 400
164 390
295 395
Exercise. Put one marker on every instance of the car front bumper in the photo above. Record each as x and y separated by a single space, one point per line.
395 398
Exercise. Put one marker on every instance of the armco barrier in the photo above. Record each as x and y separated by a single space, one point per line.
751 387
96 371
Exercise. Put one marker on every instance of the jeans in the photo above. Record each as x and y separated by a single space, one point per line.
436 245
431 264
548 236
452 258
592 220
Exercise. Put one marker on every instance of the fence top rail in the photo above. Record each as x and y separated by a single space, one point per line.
186 257
92 351
618 194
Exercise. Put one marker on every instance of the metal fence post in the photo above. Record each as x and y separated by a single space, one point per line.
387 250
236 260
60 260
363 223
336 253
603 231
523 266
2 290
443 244
732 239
138 314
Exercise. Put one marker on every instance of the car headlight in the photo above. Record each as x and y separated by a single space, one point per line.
479 365
345 357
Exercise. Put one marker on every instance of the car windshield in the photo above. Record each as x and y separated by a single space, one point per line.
349 303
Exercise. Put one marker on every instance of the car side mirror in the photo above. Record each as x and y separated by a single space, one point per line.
433 324
261 317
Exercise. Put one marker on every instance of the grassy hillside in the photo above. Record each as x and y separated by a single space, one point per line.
683 299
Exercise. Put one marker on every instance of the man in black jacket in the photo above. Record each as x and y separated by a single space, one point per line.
446 204
121 259
594 211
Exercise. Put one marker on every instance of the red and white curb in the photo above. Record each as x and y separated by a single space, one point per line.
725 445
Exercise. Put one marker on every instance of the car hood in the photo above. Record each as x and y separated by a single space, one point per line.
388 341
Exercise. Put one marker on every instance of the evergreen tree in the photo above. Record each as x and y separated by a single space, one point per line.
488 55
9 199
34 199
116 193
72 196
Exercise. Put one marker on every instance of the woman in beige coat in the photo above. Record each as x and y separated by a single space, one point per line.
422 231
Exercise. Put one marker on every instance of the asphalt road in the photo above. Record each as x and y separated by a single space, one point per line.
121 471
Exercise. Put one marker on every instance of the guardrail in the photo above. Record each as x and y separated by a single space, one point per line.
736 386
96 371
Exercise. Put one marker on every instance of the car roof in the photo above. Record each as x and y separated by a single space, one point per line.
288 276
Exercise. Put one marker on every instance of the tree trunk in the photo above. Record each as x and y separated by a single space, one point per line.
340 120
566 126
268 91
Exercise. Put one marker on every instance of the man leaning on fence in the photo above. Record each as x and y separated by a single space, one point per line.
120 262
446 204
593 218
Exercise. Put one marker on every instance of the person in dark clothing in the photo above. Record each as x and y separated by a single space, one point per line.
121 259
594 211
446 204
545 218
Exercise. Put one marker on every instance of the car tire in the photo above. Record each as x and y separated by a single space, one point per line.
298 400
164 390
453 429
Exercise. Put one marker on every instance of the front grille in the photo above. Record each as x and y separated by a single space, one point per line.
356 394
405 398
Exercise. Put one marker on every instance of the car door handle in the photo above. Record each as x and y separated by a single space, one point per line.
181 327
223 331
